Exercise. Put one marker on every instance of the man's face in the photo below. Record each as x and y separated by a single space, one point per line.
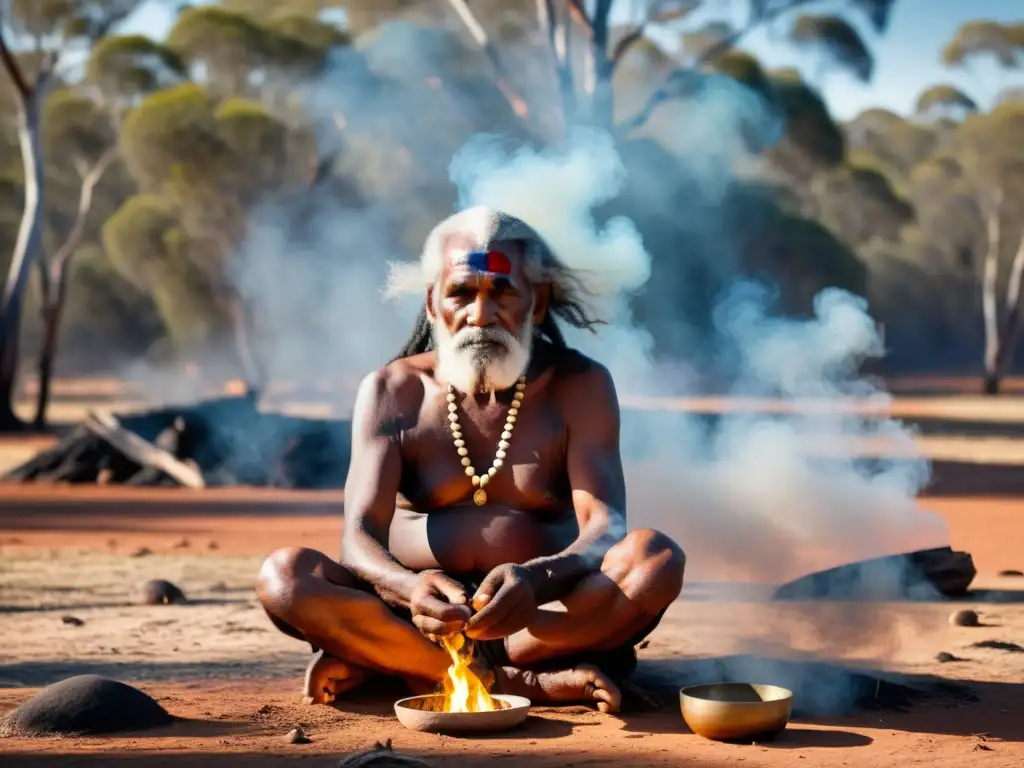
482 313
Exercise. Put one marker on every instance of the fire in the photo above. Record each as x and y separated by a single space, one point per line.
463 690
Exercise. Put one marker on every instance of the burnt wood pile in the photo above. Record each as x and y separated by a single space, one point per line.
911 575
211 444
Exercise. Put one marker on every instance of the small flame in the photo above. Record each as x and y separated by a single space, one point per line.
463 690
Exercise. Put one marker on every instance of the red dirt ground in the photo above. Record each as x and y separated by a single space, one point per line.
217 664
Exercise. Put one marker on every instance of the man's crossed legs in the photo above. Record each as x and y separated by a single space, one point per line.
580 653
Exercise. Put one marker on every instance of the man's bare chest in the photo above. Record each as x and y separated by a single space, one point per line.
531 474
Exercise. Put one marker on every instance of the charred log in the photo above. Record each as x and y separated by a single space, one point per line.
215 443
912 575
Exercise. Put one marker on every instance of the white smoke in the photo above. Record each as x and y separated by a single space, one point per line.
759 496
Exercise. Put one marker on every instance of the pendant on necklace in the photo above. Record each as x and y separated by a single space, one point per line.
480 497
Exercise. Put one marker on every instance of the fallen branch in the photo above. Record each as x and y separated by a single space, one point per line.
142 452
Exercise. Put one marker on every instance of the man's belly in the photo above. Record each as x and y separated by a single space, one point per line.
469 538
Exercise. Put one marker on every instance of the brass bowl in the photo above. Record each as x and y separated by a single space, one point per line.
736 711
419 713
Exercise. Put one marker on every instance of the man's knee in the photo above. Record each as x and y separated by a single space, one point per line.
654 564
277 583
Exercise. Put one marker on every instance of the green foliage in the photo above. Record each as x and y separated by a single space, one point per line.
1003 42
68 19
171 131
878 12
809 125
943 98
237 49
838 38
133 66
745 69
147 247
75 125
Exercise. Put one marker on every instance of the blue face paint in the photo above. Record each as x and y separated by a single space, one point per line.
494 262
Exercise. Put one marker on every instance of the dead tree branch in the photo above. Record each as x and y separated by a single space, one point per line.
480 37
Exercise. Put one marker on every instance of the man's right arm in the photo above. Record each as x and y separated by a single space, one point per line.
373 481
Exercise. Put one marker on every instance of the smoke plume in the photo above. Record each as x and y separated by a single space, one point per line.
749 494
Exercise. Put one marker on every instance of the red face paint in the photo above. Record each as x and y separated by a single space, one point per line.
495 262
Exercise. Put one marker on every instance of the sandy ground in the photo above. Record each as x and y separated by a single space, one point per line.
217 662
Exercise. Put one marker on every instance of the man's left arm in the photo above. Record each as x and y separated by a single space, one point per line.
507 599
594 463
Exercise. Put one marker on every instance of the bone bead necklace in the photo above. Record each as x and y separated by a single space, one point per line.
481 481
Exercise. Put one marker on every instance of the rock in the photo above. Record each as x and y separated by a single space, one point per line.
141 552
87 704
297 736
72 621
964 618
944 657
382 756
160 592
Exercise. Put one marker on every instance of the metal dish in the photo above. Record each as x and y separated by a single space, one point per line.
736 711
418 713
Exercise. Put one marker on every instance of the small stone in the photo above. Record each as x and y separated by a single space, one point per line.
72 621
944 657
182 544
964 618
161 592
141 552
218 587
297 736
213 545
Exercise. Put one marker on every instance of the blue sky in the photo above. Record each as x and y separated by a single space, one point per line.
906 56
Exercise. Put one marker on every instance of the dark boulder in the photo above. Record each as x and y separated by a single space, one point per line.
87 704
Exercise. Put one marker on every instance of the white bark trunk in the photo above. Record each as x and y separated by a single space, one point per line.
28 244
1011 328
989 302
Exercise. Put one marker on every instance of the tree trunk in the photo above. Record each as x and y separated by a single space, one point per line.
252 371
54 279
602 103
26 250
1010 334
53 311
989 304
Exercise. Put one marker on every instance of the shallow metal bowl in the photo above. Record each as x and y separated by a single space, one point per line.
736 711
419 713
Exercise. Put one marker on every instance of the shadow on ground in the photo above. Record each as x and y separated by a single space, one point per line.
826 693
123 604
36 674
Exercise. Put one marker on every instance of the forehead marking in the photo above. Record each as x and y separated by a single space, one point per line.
494 262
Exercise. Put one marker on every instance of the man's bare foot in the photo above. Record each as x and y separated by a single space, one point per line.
583 683
328 677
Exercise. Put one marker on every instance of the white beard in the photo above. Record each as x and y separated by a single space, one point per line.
471 368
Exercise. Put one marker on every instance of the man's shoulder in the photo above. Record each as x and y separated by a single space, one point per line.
578 374
400 383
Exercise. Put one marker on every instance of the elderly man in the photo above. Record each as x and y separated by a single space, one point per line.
485 495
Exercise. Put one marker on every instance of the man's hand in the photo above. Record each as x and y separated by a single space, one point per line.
439 605
505 603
